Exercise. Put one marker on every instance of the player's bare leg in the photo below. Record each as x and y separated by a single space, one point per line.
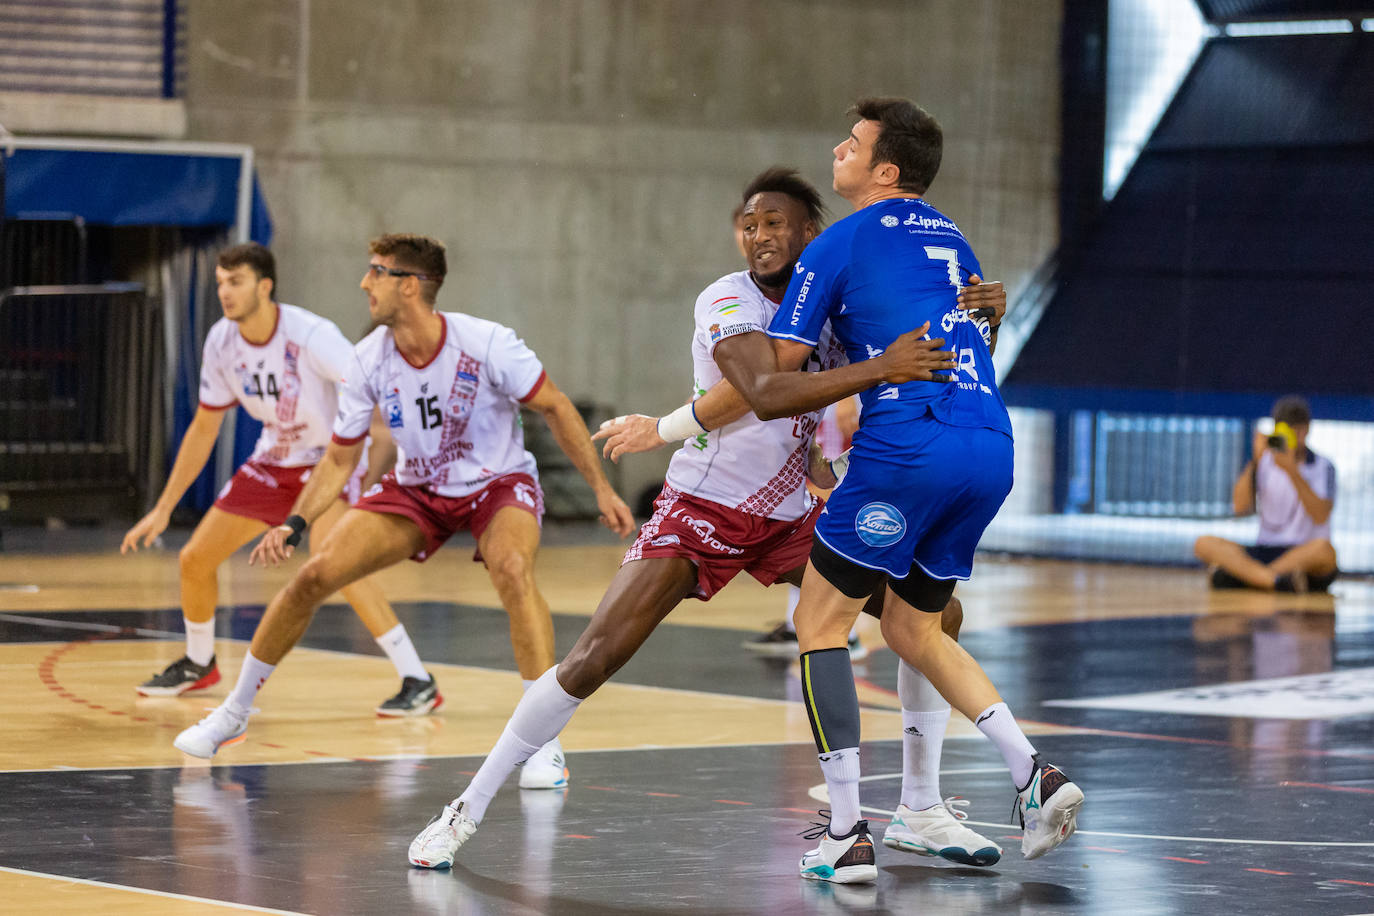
1314 559
212 542
642 593
361 543
1230 556
1047 801
419 692
508 546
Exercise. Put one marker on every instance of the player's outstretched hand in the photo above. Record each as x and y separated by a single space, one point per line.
146 531
985 298
272 550
628 434
909 358
615 514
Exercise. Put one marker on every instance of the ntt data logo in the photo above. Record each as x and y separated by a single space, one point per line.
879 525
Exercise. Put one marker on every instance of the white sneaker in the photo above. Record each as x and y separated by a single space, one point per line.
1047 808
223 726
844 860
437 844
547 769
936 831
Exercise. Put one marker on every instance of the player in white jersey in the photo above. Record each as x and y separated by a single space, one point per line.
733 501
449 387
282 363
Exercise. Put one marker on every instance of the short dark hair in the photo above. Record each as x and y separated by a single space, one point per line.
910 138
419 253
257 257
1293 410
783 180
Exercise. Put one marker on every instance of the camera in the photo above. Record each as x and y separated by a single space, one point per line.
1283 439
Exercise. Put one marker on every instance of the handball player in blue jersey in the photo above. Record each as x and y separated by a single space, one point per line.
930 466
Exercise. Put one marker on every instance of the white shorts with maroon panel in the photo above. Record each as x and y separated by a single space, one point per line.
722 541
440 517
267 493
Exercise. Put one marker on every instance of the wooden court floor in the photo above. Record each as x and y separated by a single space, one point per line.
1225 743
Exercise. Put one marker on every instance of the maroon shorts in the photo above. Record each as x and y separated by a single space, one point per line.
438 517
722 541
267 493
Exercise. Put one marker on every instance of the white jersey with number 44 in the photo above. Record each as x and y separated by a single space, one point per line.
289 383
755 466
455 419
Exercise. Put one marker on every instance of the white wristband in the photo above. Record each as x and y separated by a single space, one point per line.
680 424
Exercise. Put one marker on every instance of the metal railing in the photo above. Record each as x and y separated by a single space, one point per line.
80 408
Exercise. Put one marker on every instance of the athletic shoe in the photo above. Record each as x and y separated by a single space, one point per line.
546 769
181 676
437 844
936 831
779 641
223 726
843 860
416 698
1047 809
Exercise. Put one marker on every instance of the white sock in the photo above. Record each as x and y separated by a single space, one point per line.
200 640
925 715
542 713
841 771
997 723
252 676
396 643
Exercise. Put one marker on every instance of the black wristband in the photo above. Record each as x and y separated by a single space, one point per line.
297 526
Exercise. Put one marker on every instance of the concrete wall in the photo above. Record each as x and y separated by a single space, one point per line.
581 157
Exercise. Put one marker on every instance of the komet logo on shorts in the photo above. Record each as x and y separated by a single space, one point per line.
879 524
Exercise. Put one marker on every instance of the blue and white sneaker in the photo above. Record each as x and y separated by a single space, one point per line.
936 831
843 860
1047 809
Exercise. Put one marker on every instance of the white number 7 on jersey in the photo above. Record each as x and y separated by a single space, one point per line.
951 259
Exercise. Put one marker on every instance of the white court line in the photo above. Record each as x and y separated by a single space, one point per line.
819 793
143 890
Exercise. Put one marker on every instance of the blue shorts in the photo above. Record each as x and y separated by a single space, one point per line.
925 502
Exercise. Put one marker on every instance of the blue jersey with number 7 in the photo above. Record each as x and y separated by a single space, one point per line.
878 273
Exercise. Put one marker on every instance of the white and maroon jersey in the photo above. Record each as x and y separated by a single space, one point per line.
456 419
289 384
755 466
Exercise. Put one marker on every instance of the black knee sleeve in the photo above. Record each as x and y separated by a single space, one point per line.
853 580
923 592
832 704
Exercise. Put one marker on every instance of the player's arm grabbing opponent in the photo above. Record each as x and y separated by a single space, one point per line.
723 404
324 486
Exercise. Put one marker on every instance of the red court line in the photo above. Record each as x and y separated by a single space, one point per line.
726 801
1269 871
1189 861
1347 881
1322 785
663 794
601 788
577 836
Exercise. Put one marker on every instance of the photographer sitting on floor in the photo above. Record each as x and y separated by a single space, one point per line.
1293 489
